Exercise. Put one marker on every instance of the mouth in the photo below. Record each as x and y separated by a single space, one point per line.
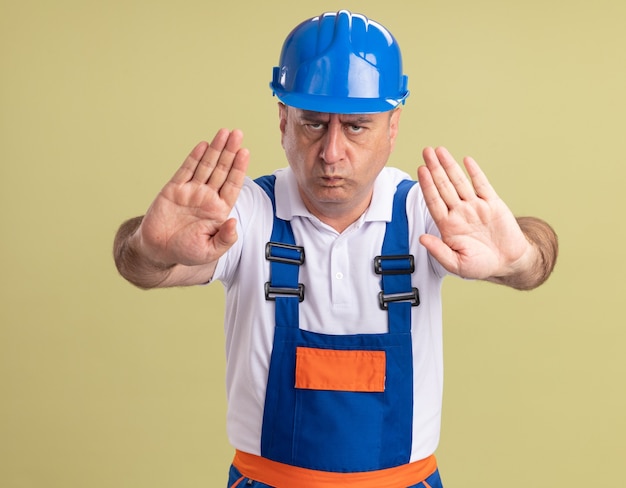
332 180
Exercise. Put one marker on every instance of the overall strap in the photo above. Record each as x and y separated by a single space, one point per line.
396 264
285 260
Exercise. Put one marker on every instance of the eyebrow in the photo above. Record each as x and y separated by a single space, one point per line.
311 116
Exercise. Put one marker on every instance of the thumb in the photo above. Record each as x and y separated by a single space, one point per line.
226 236
440 251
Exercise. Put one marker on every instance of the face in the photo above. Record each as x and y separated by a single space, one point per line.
336 158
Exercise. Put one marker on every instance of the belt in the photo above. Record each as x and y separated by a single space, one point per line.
282 475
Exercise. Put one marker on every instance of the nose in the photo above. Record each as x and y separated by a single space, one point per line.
334 143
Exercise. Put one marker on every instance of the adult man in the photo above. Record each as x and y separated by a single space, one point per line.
334 358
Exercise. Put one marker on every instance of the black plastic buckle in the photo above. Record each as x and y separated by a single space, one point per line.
286 257
271 292
412 296
398 268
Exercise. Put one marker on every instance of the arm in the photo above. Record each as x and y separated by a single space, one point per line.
480 237
186 229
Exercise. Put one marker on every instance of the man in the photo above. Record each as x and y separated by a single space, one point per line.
333 268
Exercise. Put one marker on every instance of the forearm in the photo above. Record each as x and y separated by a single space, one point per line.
131 263
539 262
136 265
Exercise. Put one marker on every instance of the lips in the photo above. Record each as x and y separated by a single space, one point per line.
332 180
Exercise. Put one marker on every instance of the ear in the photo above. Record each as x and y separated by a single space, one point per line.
394 126
282 114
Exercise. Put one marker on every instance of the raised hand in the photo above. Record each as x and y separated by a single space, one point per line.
186 229
480 237
188 221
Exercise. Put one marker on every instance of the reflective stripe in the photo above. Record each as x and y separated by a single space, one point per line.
282 475
340 370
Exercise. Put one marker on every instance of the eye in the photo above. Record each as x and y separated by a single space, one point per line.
355 129
315 126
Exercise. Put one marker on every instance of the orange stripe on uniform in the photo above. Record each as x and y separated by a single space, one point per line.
238 481
282 475
340 370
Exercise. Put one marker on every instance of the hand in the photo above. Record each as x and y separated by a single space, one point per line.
480 237
188 221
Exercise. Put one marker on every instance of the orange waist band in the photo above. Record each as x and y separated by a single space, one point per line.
282 475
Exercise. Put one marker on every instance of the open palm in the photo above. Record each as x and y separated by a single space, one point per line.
480 236
188 221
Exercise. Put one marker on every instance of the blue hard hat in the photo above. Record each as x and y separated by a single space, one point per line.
340 63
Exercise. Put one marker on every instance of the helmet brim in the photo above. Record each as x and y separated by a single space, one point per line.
337 105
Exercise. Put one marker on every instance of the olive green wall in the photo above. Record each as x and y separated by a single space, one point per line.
103 385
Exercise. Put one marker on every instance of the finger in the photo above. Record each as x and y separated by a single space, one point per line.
209 159
224 239
440 178
441 252
436 206
236 175
186 171
459 180
481 184
226 159
452 183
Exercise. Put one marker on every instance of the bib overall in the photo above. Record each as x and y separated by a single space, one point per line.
340 403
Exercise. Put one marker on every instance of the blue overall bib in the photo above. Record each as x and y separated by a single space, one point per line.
339 428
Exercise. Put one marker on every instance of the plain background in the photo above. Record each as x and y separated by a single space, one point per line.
104 385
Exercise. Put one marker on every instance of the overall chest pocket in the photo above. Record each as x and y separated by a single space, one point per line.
340 370
339 403
340 408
